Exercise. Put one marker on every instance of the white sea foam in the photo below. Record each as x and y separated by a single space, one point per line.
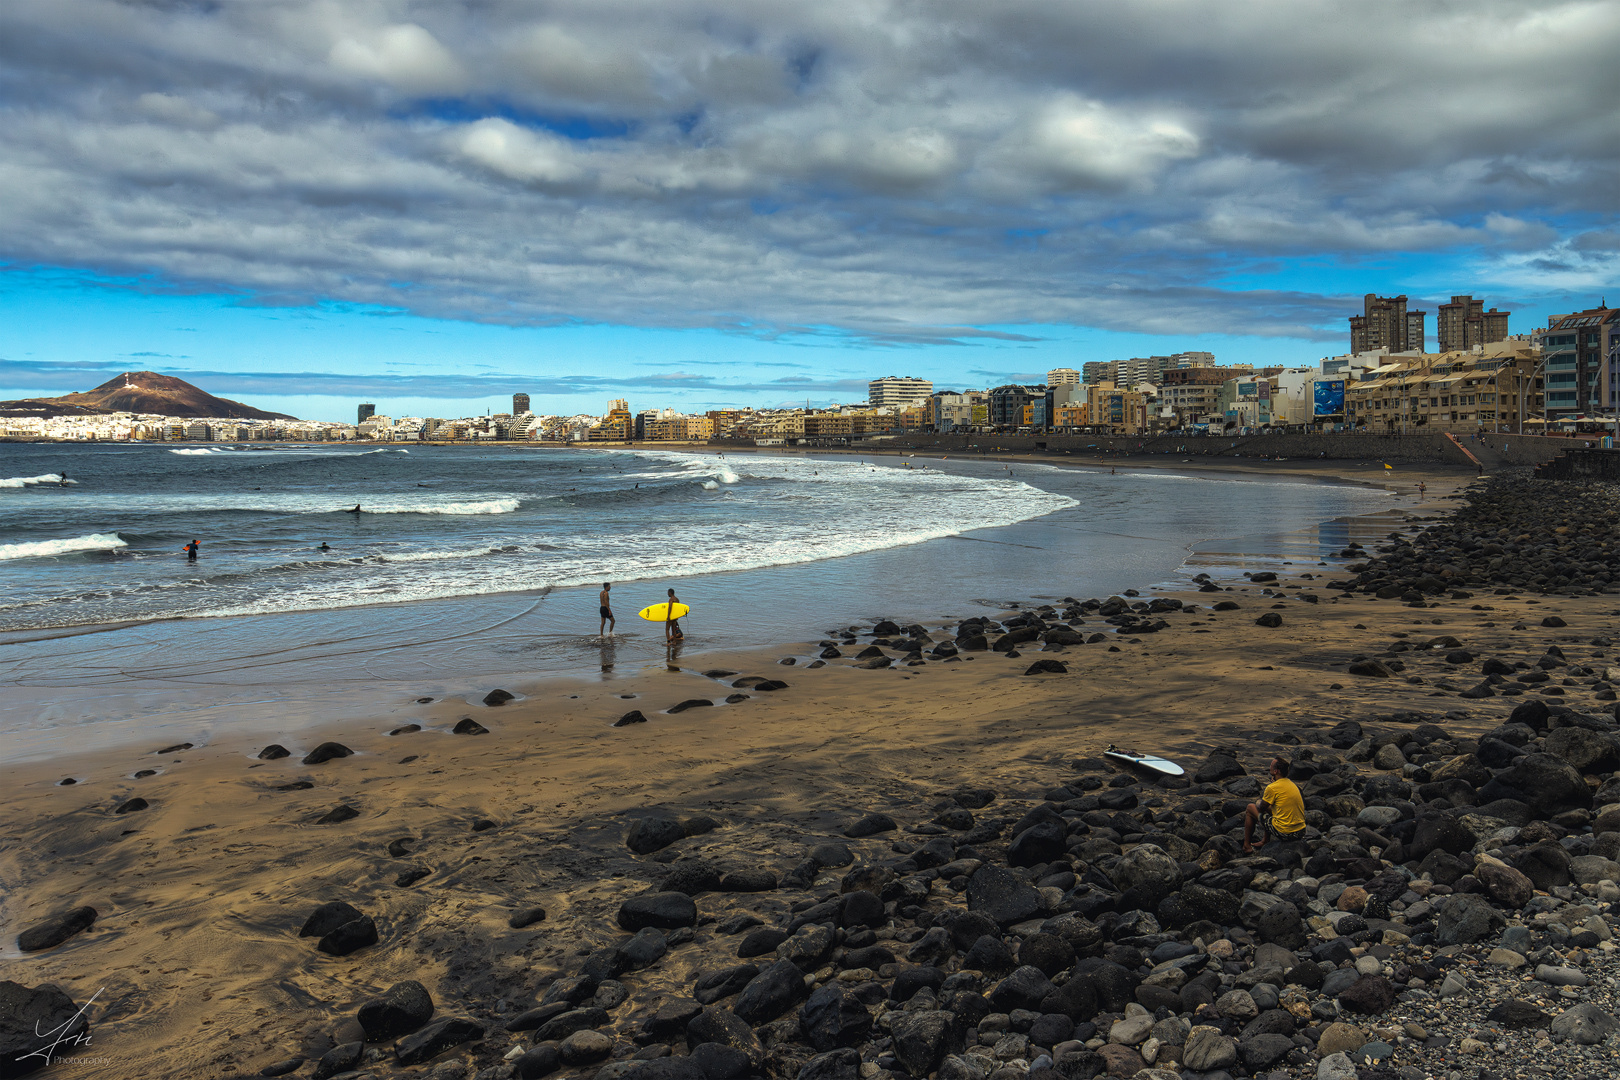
44 549
30 481
710 485
198 451
488 506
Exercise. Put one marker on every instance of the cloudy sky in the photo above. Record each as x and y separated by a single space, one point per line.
702 202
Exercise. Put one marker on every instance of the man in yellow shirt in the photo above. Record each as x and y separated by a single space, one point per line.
1287 808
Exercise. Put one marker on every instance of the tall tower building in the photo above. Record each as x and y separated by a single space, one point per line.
1063 376
1386 324
894 390
366 412
520 404
1464 323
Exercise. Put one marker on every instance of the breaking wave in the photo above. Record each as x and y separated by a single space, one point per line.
44 549
30 481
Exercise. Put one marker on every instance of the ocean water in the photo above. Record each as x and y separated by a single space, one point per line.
476 566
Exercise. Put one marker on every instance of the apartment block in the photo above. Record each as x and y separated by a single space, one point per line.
1385 323
1494 389
1582 351
897 391
1464 323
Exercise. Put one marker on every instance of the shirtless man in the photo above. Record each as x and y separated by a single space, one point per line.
605 609
672 629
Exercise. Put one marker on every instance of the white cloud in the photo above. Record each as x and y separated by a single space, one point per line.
404 56
1086 143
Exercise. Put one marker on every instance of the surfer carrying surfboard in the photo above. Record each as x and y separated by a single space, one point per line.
672 625
605 609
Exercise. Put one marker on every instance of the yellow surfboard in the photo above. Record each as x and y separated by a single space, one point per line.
660 612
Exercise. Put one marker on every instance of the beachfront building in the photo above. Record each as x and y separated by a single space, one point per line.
1125 411
617 426
1143 369
1063 376
960 411
1386 324
893 390
1008 404
1191 395
1495 387
1582 353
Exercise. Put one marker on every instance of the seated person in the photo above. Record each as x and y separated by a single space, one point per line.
1287 808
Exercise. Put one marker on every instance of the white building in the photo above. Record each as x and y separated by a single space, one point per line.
903 392
1062 376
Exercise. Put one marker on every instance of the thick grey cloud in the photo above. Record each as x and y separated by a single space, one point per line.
893 170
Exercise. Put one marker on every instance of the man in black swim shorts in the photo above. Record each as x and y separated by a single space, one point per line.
605 609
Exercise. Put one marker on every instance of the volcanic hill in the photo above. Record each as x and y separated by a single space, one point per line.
141 392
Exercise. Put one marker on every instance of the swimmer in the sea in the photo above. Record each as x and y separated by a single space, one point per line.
356 509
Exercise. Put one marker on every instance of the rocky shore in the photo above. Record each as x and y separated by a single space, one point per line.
1449 912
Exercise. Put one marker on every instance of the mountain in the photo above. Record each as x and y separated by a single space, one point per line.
141 392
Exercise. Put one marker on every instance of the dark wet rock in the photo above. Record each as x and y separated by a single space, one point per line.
1269 619
406 729
748 881
274 752
1585 1024
833 1018
770 993
498 697
1047 952
922 1039
130 806
1001 895
1025 988
1222 764
831 854
990 955
1047 667
761 942
1039 844
841 1064
326 751
468 726
411 875
689 703
871 825
1505 885
1546 864
650 834
565 1024
860 908
692 877
26 1011
284 1066
642 951
540 1061
435 1039
401 1009
1586 751
663 911
175 749
634 716
716 985
296 785
56 929
340 1059
672 1017
1547 784
1438 832
337 814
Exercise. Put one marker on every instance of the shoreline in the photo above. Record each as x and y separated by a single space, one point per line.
200 890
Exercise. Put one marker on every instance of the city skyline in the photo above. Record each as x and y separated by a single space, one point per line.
413 202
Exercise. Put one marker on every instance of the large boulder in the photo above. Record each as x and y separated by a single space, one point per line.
1587 751
770 993
32 1021
1546 864
663 910
1549 784
1585 1024
1147 865
1001 895
1467 918
1221 765
1506 885
1439 832
923 1039
58 928
1465 767
833 1018
401 1009
650 834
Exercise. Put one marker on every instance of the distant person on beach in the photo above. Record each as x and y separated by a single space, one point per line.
605 609
324 546
191 551
672 628
1422 487
1287 808
356 509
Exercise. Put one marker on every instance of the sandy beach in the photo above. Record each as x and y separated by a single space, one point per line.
194 959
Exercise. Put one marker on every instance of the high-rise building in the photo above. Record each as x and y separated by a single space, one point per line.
1093 372
366 412
1063 376
1386 324
894 390
520 404
1464 323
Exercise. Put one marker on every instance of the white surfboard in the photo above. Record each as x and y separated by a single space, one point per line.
1162 766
